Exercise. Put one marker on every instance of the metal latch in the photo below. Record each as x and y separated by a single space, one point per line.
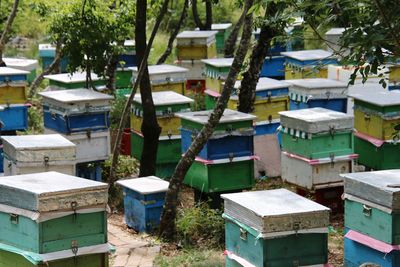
74 249
148 202
270 118
328 95
231 157
14 218
367 211
243 234
74 206
296 226
89 134
332 131
169 134
168 79
87 107
269 95
46 160
332 158
296 263
53 116
367 117
229 129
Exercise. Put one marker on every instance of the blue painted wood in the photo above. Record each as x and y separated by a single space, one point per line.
129 60
272 92
76 123
356 254
304 63
269 128
273 67
143 212
1 159
14 118
47 60
339 105
236 146
13 78
394 87
90 170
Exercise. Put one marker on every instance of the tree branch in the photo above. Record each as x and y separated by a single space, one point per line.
230 43
196 16
7 28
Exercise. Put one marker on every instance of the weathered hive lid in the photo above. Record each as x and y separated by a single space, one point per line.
196 34
21 63
316 120
162 69
145 185
378 187
335 31
32 142
377 97
266 84
317 83
166 98
276 210
221 26
51 191
6 71
75 96
75 77
229 115
47 47
219 62
304 55
130 43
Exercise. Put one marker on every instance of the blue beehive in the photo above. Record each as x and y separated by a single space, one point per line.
47 53
90 170
8 75
128 57
267 87
143 202
273 67
13 117
318 92
79 110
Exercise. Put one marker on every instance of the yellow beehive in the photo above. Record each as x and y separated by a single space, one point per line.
394 74
13 93
293 73
192 45
375 126
170 124
175 87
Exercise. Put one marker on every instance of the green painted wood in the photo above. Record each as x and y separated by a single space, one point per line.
291 250
77 85
190 125
8 259
378 158
319 146
210 101
222 177
31 76
377 224
54 235
386 109
124 78
165 170
169 150
223 71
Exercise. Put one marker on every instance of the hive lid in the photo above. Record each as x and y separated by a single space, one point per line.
11 71
42 141
220 26
165 98
377 97
229 115
145 185
131 43
335 31
304 55
162 69
316 120
71 78
196 34
21 63
317 83
74 96
275 210
266 84
380 187
219 62
47 47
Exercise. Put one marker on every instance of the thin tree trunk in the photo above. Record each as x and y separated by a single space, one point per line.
127 107
208 14
174 33
247 92
111 73
168 226
7 29
196 16
150 128
230 43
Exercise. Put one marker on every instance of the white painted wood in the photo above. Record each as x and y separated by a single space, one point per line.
17 168
267 148
145 185
195 69
164 73
228 116
265 83
303 55
21 63
194 38
165 98
318 88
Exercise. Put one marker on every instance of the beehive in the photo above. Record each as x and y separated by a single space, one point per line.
193 45
29 65
216 71
13 86
47 53
14 117
76 80
273 67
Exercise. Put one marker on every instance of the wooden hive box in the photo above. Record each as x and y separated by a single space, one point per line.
317 133
13 86
193 45
307 64
50 212
128 58
377 113
90 146
167 105
372 204
232 137
315 174
29 65
273 67
123 78
72 111
195 68
143 202
313 93
270 228
343 73
165 78
223 29
14 117
216 71
76 80
47 53
26 154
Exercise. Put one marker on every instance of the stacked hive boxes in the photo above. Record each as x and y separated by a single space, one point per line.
29 65
224 30
143 202
372 213
228 153
167 104
376 121
77 80
318 92
317 147
192 46
38 153
52 219
394 76
272 228
307 64
81 116
47 53
216 71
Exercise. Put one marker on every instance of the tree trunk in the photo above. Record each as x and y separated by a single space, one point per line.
247 92
7 29
208 14
167 226
150 128
230 43
174 33
202 26
127 107
111 73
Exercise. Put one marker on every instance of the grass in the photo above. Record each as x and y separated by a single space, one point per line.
191 257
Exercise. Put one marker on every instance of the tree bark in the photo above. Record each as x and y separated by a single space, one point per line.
230 43
174 33
247 92
202 26
7 29
167 226
208 14
111 73
127 107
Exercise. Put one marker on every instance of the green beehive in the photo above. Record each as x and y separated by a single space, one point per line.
317 133
224 30
76 80
274 228
123 78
